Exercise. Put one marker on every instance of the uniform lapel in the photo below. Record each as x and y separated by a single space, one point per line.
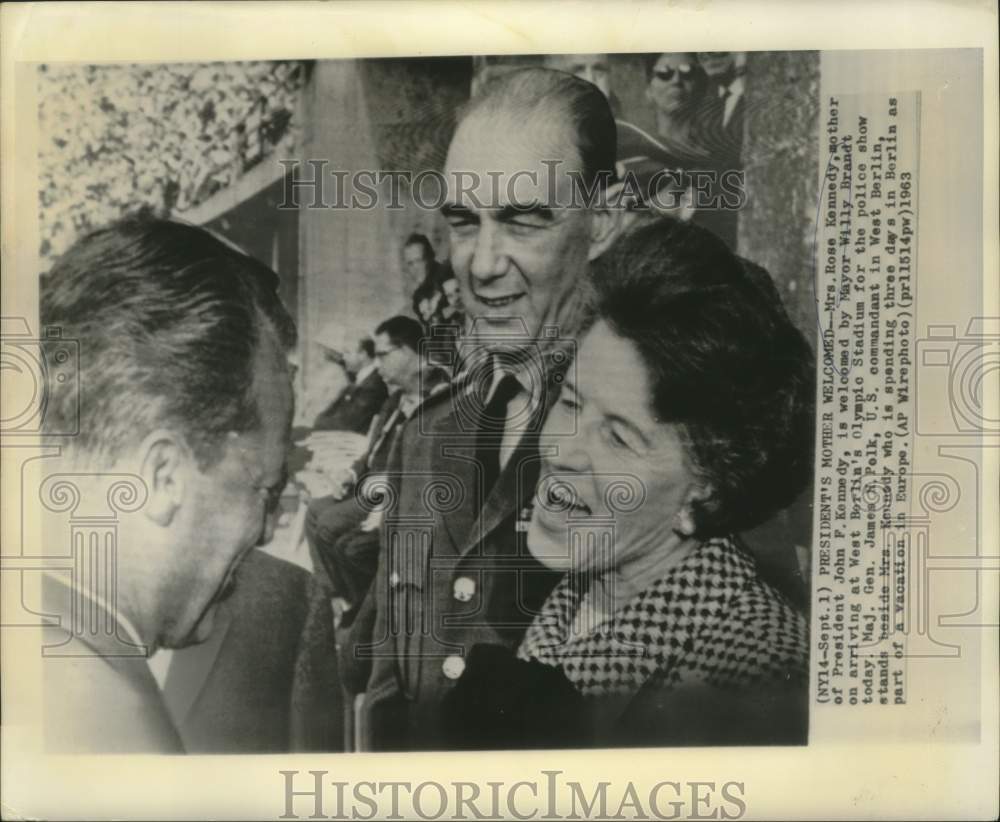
455 456
382 426
512 491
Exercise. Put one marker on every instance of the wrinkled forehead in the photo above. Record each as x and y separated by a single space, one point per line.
502 158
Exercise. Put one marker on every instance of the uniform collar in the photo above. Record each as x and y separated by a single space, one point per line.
364 373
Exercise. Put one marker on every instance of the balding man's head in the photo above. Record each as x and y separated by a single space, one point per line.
522 231
572 111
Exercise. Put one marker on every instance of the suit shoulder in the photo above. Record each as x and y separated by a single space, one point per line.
439 401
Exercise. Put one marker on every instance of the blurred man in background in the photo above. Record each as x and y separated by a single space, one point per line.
355 407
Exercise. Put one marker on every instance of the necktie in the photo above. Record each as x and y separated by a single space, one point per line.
491 428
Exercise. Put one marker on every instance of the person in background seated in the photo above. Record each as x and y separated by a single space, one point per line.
340 541
354 409
427 301
692 410
420 263
451 311
446 326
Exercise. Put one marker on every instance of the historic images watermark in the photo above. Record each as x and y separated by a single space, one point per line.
313 795
314 184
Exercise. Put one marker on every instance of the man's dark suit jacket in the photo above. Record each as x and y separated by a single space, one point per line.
344 553
354 408
265 681
453 571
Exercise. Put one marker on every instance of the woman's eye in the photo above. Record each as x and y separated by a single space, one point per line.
617 440
569 403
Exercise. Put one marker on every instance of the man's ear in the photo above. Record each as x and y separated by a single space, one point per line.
606 222
165 469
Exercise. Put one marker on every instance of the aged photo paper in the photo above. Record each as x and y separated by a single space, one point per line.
500 410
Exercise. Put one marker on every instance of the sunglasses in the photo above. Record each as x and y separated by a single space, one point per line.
381 355
667 74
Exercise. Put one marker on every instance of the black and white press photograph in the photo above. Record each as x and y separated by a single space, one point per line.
489 402
451 403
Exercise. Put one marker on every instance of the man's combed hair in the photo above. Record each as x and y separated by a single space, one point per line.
564 101
725 362
402 330
367 345
168 319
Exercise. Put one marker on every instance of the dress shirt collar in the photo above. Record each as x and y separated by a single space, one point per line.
364 373
408 404
103 605
522 373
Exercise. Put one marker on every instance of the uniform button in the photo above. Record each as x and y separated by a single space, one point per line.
464 589
453 667
394 579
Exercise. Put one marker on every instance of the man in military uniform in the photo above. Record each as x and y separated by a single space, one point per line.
453 569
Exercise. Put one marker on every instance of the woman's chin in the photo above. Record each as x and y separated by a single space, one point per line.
549 547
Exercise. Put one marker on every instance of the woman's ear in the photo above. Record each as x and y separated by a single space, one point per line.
697 500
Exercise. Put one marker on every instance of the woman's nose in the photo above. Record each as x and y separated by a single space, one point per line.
572 457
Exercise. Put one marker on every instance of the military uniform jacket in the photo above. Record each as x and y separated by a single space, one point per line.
453 571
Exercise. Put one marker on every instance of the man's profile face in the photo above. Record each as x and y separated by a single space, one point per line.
398 364
416 264
233 506
517 252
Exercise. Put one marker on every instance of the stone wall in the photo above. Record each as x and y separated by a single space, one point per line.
388 115
777 228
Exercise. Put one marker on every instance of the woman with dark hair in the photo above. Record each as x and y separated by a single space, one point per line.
688 417
676 85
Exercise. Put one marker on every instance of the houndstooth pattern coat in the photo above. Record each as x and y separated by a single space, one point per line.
708 654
